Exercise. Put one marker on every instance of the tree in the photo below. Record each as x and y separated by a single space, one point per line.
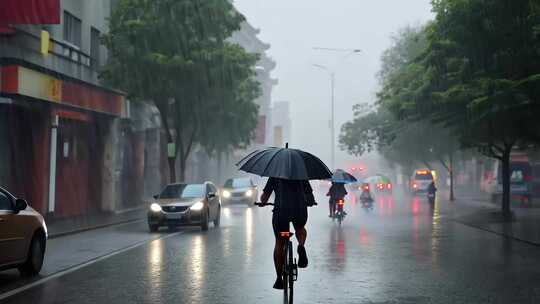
406 143
403 137
483 65
175 54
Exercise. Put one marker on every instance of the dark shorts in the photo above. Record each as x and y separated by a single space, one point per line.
281 220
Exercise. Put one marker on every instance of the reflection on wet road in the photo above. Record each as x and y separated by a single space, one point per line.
404 250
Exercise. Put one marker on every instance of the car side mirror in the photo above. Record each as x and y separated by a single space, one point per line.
20 205
155 196
211 195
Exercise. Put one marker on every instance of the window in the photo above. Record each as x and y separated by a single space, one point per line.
238 183
5 202
183 191
95 47
72 29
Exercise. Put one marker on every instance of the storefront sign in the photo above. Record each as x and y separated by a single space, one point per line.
260 132
27 82
171 150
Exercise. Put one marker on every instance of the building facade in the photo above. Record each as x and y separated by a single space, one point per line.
281 123
65 137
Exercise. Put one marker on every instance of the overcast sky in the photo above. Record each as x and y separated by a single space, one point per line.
294 27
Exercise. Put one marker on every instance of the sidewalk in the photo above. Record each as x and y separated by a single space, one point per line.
62 227
476 211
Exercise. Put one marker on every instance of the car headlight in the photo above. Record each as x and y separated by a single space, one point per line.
249 193
226 194
197 206
155 207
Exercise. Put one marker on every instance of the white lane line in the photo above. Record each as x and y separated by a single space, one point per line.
15 291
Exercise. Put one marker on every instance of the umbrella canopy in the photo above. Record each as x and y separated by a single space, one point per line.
342 177
285 163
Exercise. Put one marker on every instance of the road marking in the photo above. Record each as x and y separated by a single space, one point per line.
60 273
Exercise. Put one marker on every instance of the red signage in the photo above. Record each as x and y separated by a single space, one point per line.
29 12
260 132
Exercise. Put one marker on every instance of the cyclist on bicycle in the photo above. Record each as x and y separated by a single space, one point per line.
292 197
337 192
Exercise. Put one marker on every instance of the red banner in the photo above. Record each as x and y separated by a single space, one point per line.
260 132
29 12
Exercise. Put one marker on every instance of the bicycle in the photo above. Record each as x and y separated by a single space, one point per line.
290 268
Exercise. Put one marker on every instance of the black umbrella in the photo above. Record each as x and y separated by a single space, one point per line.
342 177
285 163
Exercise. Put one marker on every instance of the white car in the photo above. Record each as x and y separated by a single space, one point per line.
421 180
239 190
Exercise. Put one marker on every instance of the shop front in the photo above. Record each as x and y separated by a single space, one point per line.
57 132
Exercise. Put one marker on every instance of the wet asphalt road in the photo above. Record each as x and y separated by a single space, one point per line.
402 251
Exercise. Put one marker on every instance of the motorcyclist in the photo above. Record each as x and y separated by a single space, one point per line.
365 196
431 192
432 189
337 192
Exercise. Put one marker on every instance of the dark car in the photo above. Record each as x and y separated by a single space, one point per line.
185 204
239 190
23 235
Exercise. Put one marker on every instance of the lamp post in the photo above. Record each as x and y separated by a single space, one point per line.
332 101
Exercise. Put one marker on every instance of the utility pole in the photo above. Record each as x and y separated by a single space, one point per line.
332 102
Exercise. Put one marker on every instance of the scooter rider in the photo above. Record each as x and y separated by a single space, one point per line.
432 189
365 196
431 192
337 191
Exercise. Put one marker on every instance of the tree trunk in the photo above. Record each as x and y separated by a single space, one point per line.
183 162
451 172
505 162
219 163
172 169
172 160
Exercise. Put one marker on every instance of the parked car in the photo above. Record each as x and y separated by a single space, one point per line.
23 235
239 190
185 204
421 180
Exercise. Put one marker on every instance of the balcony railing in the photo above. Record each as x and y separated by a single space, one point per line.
63 57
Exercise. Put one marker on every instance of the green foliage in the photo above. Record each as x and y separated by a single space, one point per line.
176 54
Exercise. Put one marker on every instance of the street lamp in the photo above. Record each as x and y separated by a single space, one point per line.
332 86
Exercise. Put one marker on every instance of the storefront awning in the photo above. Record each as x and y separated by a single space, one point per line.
22 81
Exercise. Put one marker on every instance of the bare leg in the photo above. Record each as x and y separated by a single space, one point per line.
278 255
301 234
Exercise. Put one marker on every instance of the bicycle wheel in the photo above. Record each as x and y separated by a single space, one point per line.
285 275
290 267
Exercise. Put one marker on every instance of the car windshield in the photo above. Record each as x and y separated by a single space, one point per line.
238 183
423 176
183 191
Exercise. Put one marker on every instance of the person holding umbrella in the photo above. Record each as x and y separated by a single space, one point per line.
289 172
337 191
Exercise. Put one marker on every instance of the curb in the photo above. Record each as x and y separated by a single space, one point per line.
497 233
75 231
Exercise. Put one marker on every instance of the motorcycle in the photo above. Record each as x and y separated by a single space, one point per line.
339 213
431 197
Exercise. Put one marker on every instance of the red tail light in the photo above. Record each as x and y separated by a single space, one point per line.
285 234
415 186
389 186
